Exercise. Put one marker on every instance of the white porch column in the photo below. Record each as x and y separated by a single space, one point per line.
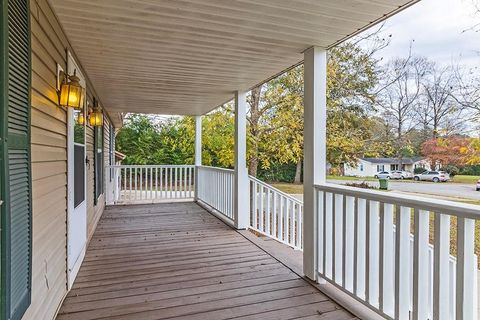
198 151
241 210
314 163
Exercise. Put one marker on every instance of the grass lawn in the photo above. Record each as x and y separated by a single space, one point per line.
465 179
297 188
351 178
290 188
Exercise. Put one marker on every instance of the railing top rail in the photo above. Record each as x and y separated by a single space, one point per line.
152 166
430 204
216 169
286 195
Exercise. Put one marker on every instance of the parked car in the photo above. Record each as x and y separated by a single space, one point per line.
383 175
398 174
478 185
435 176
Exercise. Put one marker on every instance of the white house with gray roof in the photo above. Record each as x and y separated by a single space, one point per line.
367 167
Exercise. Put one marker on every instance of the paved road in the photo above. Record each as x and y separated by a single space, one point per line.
448 190
444 189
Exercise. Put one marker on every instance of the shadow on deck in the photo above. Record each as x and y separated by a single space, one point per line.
177 261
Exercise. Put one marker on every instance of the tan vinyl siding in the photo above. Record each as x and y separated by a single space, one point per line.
93 212
49 166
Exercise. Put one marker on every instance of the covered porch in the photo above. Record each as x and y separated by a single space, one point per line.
192 241
178 261
370 250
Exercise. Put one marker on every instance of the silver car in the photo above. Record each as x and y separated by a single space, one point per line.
401 175
383 175
435 176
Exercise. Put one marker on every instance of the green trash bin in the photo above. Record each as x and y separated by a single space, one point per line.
383 184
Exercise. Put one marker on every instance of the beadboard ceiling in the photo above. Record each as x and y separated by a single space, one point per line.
189 56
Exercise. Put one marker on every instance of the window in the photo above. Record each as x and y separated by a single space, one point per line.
394 167
15 159
361 167
98 155
380 167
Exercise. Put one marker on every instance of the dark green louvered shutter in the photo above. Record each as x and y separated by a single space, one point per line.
15 183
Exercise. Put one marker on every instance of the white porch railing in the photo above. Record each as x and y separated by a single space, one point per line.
276 214
215 188
150 183
376 247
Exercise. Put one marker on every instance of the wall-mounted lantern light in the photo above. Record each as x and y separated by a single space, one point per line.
71 92
95 116
81 118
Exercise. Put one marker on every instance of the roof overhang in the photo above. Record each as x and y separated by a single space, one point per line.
190 56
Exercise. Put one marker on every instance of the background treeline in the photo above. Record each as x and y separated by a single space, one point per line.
405 107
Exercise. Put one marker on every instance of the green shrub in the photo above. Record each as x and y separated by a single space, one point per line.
418 170
278 173
451 170
473 170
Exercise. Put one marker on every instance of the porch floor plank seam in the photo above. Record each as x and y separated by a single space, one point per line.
177 261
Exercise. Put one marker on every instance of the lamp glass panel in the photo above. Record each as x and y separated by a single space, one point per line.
64 94
96 118
75 96
71 96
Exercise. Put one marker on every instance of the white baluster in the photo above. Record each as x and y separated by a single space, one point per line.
267 210
338 239
373 238
348 241
387 259
328 240
402 263
300 226
441 278
281 219
360 248
465 269
421 265
321 208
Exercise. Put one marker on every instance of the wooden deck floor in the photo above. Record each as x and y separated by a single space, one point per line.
176 261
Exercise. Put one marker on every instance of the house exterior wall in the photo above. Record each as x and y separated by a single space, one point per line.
369 169
422 164
49 166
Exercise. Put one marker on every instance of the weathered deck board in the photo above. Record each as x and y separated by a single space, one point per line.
176 261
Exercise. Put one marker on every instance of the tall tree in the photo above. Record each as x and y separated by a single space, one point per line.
450 151
401 87
255 128
352 76
139 139
439 111
283 142
276 118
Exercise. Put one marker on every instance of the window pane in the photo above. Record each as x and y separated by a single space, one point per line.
79 171
79 130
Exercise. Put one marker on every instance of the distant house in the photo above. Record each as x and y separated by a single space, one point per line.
370 166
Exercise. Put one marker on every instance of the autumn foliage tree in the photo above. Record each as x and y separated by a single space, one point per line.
447 151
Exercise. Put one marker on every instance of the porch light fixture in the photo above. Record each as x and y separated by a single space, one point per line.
71 92
81 118
95 117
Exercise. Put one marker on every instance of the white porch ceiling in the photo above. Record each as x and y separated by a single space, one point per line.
189 56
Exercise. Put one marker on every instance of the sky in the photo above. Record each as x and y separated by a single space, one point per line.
437 29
